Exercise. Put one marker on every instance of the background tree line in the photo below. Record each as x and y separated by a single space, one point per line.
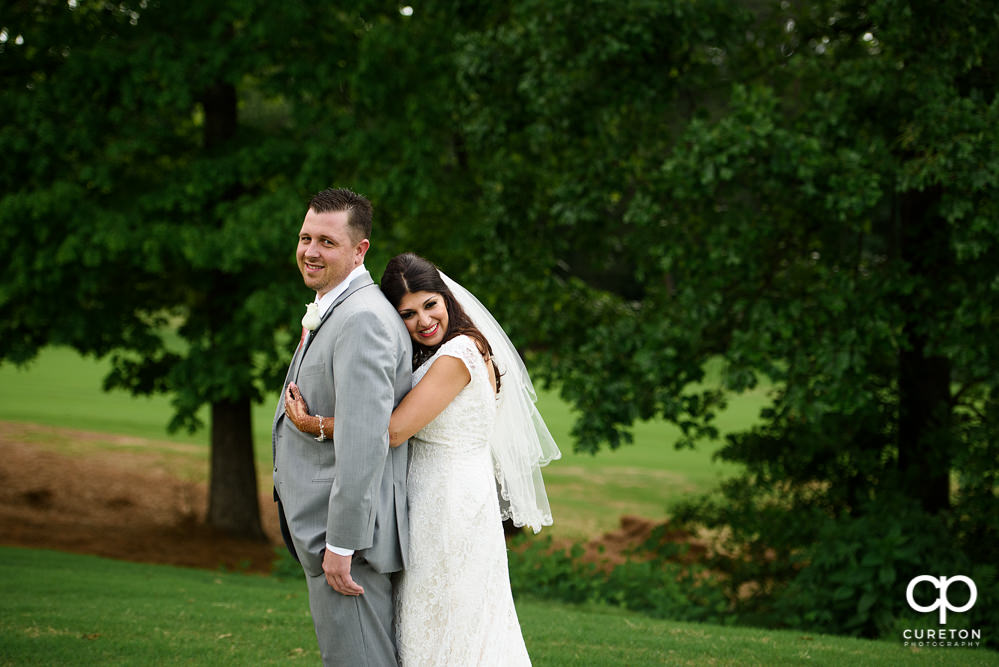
805 191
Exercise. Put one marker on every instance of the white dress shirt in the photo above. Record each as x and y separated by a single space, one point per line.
327 299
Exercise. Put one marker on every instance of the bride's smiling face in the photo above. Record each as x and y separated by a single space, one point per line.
425 316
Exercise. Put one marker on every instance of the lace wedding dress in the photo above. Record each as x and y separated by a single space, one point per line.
454 605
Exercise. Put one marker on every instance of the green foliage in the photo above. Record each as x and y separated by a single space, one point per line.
162 198
660 589
811 199
565 164
791 565
285 566
985 613
157 162
545 572
852 579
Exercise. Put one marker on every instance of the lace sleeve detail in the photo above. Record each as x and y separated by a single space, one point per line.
465 349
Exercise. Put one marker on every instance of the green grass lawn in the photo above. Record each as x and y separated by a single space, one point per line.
589 493
58 608
63 389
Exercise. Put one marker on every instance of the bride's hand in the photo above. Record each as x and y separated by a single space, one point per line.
296 408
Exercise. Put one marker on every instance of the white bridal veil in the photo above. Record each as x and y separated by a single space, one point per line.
521 443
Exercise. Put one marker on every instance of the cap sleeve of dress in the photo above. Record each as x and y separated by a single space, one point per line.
464 348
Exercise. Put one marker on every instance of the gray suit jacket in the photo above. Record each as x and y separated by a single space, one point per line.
349 491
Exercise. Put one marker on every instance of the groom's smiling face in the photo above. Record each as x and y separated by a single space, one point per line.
327 251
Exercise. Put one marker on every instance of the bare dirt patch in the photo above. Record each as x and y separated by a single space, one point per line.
145 500
119 497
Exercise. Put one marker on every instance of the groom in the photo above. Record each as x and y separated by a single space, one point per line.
342 500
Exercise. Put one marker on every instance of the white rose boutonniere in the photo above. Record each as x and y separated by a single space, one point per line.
311 318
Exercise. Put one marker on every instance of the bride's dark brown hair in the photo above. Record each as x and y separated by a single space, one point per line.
408 273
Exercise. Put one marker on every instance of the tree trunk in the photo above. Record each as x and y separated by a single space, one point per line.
233 505
924 380
219 102
924 428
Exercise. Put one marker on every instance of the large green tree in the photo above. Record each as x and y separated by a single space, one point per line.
804 192
157 158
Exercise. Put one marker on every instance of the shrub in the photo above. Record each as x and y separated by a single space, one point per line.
655 587
284 565
852 580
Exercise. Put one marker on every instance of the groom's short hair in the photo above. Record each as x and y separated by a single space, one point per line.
357 206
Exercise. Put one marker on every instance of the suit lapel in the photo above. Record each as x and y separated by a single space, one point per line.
360 282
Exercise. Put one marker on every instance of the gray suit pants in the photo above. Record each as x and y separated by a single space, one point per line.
364 634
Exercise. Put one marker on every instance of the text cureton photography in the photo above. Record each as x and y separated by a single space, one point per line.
943 636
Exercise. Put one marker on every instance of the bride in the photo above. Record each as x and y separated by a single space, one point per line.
477 446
